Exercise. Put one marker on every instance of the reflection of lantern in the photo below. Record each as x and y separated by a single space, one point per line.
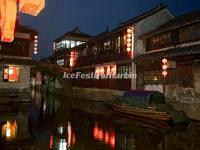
9 130
112 140
95 132
100 134
51 142
32 7
106 137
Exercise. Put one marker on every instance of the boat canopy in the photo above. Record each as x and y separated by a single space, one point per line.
142 98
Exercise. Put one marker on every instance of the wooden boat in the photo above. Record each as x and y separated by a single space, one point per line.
147 104
146 113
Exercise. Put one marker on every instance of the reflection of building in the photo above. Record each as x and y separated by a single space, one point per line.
15 61
14 126
63 139
179 42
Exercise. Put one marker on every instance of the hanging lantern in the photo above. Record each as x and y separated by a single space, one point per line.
8 9
31 7
129 39
35 44
164 67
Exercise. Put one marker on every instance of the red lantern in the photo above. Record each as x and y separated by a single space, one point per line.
8 9
31 7
164 67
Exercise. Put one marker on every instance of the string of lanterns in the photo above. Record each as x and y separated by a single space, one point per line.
129 39
35 44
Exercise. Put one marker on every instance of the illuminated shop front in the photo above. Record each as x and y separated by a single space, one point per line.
11 73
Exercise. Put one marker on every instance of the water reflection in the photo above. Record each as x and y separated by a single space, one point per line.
104 135
61 123
63 138
9 130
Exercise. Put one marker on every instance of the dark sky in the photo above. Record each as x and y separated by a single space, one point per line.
92 16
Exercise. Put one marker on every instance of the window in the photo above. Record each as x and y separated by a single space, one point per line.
107 45
124 69
118 44
152 77
159 41
189 33
11 74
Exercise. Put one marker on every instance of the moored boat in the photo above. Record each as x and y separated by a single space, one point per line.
147 104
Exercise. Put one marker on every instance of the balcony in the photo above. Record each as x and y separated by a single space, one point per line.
102 57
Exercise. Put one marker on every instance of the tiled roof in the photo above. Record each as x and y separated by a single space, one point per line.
76 32
177 22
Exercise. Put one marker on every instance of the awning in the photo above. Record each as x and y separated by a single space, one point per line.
17 61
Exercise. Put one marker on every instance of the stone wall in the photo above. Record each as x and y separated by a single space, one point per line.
24 82
96 94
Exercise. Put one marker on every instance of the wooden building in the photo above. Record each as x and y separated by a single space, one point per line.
15 62
179 42
64 43
112 52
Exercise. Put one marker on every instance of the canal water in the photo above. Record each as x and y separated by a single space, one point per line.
63 123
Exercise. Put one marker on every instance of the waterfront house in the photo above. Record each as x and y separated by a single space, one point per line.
15 63
112 52
178 41
64 43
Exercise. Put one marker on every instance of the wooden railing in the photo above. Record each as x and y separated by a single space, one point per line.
101 58
119 84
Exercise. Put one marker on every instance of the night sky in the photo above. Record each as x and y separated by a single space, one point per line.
92 16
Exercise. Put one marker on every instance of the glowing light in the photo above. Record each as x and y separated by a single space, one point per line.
106 137
95 132
129 40
51 142
164 73
8 13
164 60
100 134
35 44
9 130
129 35
128 49
112 140
164 67
10 71
31 7
72 58
129 45
8 10
129 30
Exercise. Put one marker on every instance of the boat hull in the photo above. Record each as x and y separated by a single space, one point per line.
141 112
